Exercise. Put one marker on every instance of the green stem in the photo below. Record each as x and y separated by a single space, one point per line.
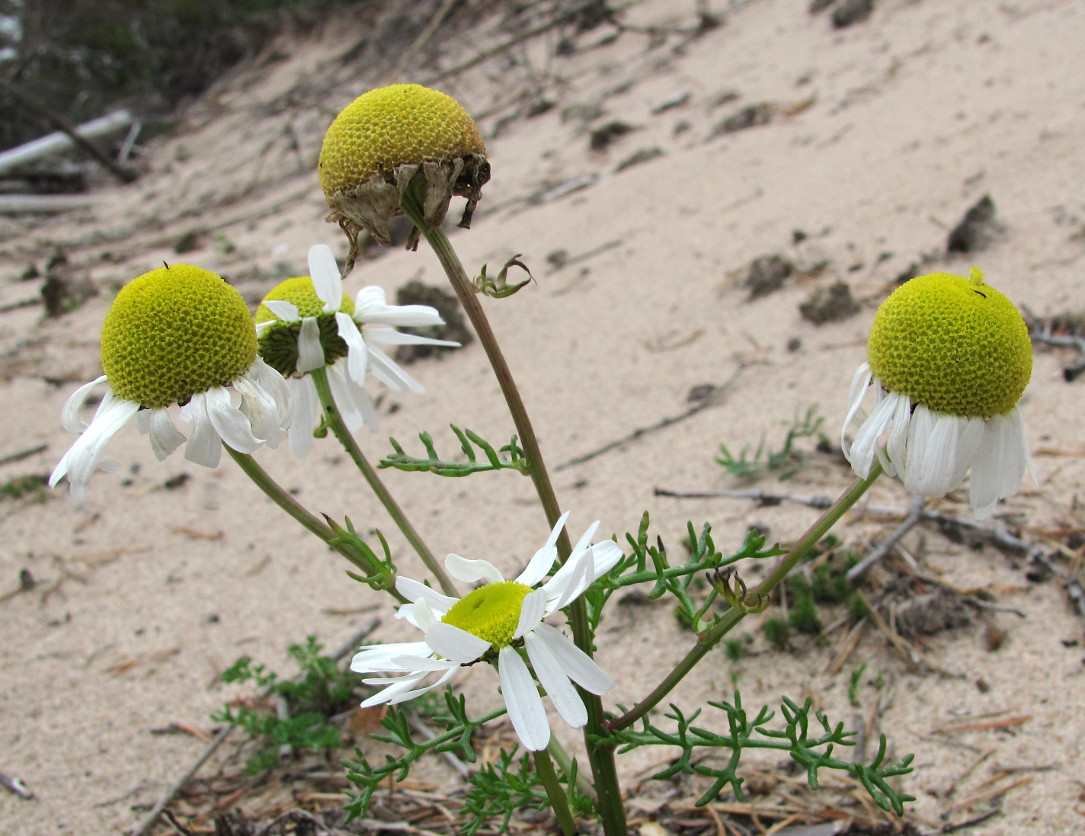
346 438
544 768
295 509
565 763
601 757
708 638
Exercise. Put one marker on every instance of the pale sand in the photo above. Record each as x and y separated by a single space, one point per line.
883 134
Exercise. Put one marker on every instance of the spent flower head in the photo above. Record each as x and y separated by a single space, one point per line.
381 141
177 336
948 359
307 323
497 622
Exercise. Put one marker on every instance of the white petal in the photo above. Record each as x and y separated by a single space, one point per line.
371 308
859 385
283 310
456 644
522 700
204 444
310 351
897 447
305 407
353 401
605 556
81 460
555 681
390 336
388 373
532 609
585 538
543 559
397 691
580 667
469 571
327 281
164 436
378 658
968 447
261 410
69 416
932 448
864 448
229 421
1000 465
413 590
569 581
357 351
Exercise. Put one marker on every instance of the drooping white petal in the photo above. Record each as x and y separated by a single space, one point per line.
585 538
164 436
859 385
865 446
932 446
260 410
1000 465
327 281
897 446
580 667
204 443
310 351
455 644
395 692
390 336
378 658
390 374
352 399
605 556
522 700
305 407
357 352
555 681
229 421
69 416
283 310
470 571
81 460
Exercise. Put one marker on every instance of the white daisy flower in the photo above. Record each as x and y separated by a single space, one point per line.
949 358
177 336
492 623
306 323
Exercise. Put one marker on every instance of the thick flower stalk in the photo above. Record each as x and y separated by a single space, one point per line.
948 359
496 623
177 337
381 141
306 323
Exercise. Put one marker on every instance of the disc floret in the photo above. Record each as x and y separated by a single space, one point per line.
490 612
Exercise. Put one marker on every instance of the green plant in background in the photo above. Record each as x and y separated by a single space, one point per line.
782 463
321 691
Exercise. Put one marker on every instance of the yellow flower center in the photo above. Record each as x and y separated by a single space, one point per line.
490 612
955 345
173 333
390 126
279 343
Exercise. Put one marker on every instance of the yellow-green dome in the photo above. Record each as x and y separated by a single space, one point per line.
490 612
173 333
300 292
278 344
390 126
953 344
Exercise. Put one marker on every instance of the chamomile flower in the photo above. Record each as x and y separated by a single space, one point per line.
306 323
177 336
948 359
381 141
492 624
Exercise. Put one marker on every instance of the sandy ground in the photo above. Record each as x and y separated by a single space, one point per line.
878 138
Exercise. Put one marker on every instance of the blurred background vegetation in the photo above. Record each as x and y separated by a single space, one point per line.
83 58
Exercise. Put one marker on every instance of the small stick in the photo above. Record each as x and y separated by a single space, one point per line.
886 546
19 455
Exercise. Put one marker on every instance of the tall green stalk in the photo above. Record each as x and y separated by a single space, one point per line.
346 438
600 757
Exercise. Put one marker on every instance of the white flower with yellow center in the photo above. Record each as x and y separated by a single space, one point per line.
177 336
948 359
306 323
493 623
